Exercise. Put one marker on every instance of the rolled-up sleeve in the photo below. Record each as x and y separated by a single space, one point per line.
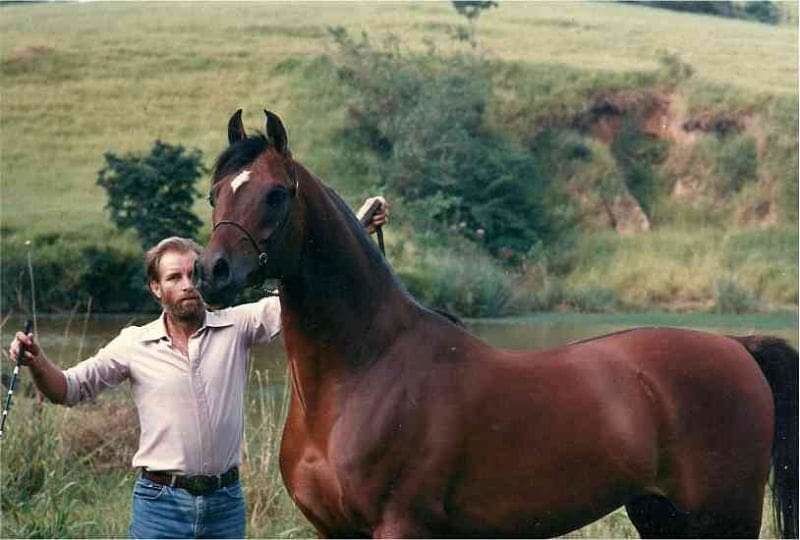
262 319
106 369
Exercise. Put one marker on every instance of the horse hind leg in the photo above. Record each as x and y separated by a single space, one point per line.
655 516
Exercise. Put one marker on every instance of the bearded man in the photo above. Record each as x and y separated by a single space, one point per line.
187 371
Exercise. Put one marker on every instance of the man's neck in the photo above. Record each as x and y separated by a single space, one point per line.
181 330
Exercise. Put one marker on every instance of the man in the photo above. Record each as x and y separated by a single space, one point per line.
187 371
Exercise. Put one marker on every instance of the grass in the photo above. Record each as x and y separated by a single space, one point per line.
680 268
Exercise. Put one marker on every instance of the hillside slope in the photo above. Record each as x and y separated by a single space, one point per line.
82 79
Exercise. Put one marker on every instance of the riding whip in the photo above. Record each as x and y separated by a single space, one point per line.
366 219
13 382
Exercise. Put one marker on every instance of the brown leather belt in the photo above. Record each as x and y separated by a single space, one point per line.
196 485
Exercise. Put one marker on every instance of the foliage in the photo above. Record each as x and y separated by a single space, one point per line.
737 164
637 156
423 115
472 9
764 11
70 271
153 194
730 297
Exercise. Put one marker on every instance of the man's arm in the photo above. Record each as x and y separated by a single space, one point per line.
48 377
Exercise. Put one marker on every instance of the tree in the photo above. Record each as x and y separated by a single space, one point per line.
153 194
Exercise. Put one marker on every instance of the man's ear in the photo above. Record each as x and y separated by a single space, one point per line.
155 289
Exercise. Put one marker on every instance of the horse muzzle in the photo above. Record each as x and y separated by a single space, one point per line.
218 279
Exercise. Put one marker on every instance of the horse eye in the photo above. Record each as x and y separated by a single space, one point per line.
277 196
211 200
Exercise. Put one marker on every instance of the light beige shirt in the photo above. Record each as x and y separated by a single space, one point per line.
191 410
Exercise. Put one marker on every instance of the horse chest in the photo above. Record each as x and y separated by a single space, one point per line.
315 485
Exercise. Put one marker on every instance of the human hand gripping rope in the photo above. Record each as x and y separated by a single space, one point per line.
12 384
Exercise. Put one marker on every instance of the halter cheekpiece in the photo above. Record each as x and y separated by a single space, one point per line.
262 255
263 258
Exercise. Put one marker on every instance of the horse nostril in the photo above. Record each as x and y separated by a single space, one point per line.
221 271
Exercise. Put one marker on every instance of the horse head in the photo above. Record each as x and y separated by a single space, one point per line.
255 212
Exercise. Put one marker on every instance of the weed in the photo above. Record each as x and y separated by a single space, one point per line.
730 297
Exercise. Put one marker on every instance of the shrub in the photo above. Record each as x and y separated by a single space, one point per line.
636 155
737 163
730 297
423 117
763 11
153 194
68 271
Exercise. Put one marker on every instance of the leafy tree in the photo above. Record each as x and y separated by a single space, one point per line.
471 9
153 194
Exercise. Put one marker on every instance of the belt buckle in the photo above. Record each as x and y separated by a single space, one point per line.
201 485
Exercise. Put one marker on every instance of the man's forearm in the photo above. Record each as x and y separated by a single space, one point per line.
49 379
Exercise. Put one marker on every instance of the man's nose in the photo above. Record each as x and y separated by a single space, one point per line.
187 283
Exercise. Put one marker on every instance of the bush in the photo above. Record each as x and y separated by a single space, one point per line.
737 163
636 156
763 11
730 297
68 271
423 117
153 194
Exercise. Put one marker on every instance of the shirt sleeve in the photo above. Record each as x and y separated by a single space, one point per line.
106 369
262 319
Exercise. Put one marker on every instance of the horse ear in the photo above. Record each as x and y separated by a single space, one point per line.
235 128
277 133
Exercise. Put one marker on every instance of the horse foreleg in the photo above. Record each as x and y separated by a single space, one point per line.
401 527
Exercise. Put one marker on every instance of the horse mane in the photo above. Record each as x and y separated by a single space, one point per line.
239 155
358 230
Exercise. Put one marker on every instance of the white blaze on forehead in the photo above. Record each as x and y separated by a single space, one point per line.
240 179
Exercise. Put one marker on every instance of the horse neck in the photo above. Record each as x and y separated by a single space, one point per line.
343 305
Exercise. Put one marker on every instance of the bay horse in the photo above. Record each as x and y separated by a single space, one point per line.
403 424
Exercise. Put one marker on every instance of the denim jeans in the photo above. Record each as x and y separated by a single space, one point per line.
167 512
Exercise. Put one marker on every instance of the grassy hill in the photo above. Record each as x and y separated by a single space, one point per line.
79 80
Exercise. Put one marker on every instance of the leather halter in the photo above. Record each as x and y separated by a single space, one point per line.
263 258
262 255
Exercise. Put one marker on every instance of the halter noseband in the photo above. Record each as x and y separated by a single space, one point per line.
263 258
262 255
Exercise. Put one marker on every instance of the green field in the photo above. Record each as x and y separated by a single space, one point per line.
79 80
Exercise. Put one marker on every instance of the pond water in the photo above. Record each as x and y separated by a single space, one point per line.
69 339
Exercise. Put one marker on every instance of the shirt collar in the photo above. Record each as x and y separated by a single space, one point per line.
157 329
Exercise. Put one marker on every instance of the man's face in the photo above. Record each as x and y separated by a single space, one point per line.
175 289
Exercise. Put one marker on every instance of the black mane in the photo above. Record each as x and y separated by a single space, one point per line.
239 155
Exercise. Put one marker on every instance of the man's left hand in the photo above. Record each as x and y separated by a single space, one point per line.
380 214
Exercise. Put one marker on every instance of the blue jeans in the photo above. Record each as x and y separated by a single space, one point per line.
167 512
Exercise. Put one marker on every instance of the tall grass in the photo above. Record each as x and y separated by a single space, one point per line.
681 269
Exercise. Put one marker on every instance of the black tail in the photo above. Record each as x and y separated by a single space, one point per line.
779 363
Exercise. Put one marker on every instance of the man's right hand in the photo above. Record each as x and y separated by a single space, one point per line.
32 351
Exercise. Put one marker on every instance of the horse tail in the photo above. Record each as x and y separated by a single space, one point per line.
779 362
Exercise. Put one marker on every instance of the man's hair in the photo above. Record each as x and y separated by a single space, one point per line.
174 243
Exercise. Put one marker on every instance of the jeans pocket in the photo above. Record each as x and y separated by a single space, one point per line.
233 491
148 490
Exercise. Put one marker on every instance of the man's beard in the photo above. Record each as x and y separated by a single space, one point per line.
192 310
